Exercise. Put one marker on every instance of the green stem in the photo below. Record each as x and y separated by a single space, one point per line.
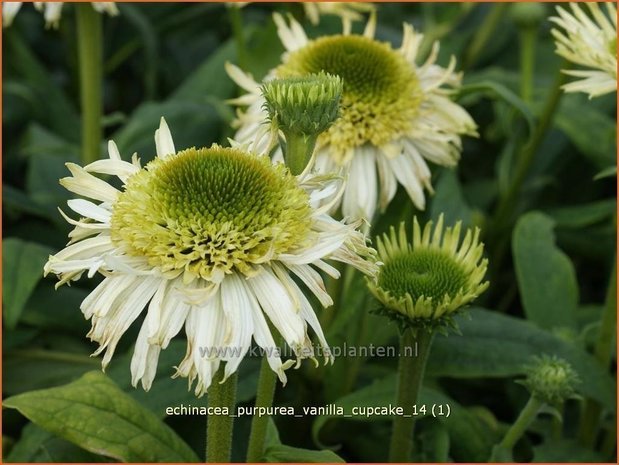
259 424
298 151
515 432
528 35
481 37
602 351
527 155
236 21
90 55
219 427
411 370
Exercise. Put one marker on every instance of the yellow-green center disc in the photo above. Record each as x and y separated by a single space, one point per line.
211 209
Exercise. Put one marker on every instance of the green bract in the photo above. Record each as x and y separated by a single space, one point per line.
381 91
424 282
550 379
305 105
205 211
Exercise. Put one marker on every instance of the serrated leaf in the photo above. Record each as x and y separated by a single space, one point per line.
22 265
546 276
96 415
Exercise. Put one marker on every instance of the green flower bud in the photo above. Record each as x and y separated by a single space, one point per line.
303 105
550 379
423 283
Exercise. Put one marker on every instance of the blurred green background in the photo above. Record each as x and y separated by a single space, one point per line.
550 259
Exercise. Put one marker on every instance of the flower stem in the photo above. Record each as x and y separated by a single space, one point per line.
219 427
602 351
259 423
526 156
481 37
411 370
515 432
236 22
298 151
90 57
528 35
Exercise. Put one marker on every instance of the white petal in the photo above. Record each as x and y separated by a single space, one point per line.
163 140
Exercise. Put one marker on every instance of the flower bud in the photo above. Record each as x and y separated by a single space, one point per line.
550 379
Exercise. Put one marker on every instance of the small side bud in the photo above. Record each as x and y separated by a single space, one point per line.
551 379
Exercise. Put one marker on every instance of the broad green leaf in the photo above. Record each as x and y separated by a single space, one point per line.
37 445
22 265
580 216
546 276
96 415
591 131
470 437
493 345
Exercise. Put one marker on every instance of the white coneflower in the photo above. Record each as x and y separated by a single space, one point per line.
395 114
51 11
206 238
589 41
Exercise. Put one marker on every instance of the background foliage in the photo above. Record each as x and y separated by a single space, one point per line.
550 258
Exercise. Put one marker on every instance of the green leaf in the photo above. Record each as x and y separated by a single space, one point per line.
57 112
591 131
96 415
22 263
286 454
493 345
276 452
495 90
581 216
565 450
37 445
610 172
546 276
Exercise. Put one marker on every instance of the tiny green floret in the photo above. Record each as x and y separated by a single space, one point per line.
425 282
306 105
206 212
551 379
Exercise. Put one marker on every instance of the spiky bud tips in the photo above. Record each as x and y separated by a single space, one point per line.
550 379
